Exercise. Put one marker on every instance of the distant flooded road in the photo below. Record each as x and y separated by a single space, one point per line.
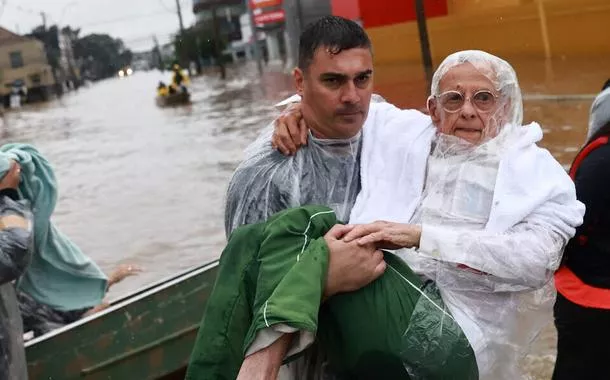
142 184
146 185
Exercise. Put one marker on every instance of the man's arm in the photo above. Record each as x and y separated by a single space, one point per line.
350 268
254 192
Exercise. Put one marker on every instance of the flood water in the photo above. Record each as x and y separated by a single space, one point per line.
145 185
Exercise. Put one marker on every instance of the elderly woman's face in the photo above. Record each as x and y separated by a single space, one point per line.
467 104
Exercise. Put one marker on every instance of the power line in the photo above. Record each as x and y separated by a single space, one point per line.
24 9
126 18
166 7
166 11
135 39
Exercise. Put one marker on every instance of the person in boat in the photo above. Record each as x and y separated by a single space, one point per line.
61 284
40 318
15 248
582 309
490 255
162 89
179 79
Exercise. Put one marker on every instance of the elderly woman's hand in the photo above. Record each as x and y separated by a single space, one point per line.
386 235
290 131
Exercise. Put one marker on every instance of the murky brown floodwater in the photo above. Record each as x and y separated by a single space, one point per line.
141 184
146 185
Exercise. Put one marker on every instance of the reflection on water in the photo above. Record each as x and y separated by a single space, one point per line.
146 185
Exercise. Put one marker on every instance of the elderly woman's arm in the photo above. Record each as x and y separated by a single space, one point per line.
526 254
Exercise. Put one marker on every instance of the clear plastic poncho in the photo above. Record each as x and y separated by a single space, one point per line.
325 172
15 253
497 284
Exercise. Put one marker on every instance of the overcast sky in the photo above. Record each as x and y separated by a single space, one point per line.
134 21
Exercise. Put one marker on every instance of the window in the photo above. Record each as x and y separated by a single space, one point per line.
16 59
35 78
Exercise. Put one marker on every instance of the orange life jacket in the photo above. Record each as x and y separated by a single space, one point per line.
567 282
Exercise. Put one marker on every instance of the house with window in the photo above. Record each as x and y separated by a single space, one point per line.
23 60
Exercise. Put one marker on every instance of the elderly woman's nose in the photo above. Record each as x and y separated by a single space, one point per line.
468 110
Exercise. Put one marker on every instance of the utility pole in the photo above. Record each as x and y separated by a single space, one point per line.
182 39
217 49
256 47
424 41
157 52
292 32
180 18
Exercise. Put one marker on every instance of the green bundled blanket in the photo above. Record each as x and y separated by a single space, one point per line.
272 276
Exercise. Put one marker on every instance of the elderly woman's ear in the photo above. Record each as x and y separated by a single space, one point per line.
432 106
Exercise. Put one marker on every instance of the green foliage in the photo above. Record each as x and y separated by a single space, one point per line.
198 41
100 55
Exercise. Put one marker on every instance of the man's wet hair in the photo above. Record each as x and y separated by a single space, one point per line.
333 33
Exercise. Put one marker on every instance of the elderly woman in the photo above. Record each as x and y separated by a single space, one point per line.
474 208
494 216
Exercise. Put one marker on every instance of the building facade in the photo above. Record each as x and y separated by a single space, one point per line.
512 28
24 60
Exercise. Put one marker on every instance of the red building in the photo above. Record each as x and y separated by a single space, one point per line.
373 13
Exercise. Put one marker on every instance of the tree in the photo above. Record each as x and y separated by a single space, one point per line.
196 43
102 55
48 36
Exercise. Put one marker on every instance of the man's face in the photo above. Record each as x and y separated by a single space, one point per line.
336 91
480 115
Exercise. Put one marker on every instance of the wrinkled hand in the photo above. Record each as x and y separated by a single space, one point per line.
385 235
290 131
351 266
12 177
123 271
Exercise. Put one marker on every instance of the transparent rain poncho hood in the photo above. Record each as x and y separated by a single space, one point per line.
495 217
504 120
325 172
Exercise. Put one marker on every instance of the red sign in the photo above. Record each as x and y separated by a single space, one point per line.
397 11
270 17
254 4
